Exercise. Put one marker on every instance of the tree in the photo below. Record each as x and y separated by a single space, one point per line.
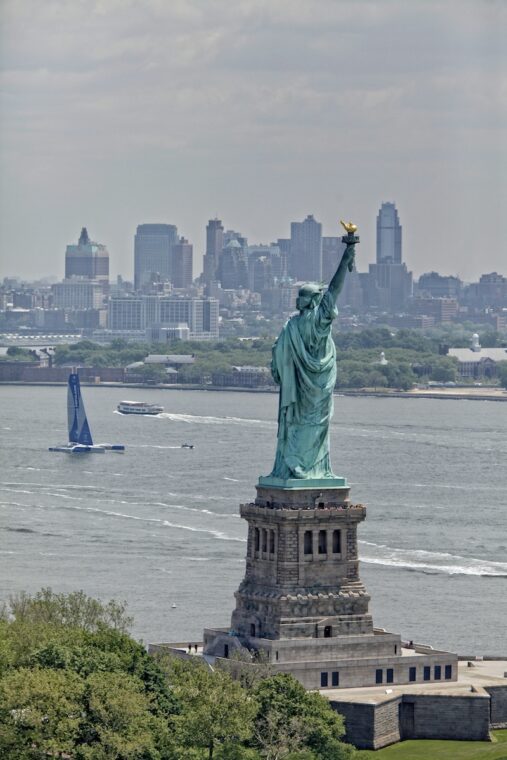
119 722
502 373
74 610
40 713
291 720
216 712
444 370
73 682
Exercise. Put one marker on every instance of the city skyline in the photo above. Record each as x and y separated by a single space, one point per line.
260 113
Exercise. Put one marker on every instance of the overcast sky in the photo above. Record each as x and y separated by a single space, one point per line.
121 112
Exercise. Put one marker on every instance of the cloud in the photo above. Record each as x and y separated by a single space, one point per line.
256 110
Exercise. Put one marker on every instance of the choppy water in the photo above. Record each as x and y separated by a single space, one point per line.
159 525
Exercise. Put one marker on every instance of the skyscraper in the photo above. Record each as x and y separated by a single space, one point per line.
214 247
87 260
388 235
332 251
305 261
182 264
153 253
391 283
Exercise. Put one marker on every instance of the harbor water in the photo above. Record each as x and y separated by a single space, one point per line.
158 526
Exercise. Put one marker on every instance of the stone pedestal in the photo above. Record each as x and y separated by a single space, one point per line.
302 569
302 602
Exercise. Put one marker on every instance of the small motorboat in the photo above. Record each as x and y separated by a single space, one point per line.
187 445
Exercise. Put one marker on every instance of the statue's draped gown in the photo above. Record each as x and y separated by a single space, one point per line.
304 365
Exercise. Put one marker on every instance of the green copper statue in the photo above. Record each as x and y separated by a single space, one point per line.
304 366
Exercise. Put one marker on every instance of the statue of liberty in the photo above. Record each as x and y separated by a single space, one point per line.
304 366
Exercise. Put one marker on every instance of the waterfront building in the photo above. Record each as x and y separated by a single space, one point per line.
146 312
153 253
87 259
477 362
305 260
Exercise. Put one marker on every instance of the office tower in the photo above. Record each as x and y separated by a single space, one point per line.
284 248
392 286
87 259
390 283
153 253
332 252
214 247
233 266
233 235
305 261
439 286
388 235
182 264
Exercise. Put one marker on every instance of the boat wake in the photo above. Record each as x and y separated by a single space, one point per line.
195 419
419 560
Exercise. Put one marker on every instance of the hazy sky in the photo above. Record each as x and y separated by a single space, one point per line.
121 112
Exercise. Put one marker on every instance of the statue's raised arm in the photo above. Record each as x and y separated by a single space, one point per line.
304 366
347 260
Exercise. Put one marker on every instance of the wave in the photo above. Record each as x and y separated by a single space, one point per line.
193 509
151 446
64 486
202 420
432 562
20 530
216 533
12 504
165 523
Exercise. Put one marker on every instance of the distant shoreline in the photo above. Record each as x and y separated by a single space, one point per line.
452 394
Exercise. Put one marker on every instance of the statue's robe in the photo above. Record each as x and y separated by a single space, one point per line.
304 365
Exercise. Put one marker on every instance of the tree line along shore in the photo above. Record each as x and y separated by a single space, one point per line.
375 359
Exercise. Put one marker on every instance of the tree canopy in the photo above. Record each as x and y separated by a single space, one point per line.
74 684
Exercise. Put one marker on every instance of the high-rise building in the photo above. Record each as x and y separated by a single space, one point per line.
87 259
439 286
388 235
153 253
390 284
214 247
233 266
305 261
182 264
332 252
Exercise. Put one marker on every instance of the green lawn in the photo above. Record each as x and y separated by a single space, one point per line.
430 749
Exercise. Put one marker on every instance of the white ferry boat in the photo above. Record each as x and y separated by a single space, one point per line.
139 407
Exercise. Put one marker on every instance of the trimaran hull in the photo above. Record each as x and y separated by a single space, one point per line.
80 437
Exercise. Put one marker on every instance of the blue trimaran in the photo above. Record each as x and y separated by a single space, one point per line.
80 437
